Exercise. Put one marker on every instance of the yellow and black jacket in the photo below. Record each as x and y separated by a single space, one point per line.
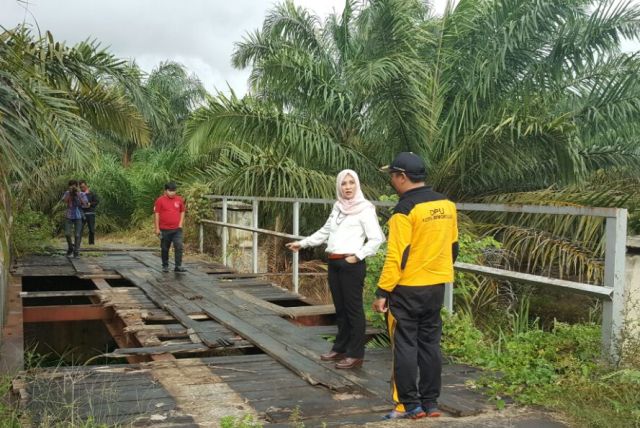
423 241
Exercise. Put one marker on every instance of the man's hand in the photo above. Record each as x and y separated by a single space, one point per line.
351 259
380 305
294 246
158 232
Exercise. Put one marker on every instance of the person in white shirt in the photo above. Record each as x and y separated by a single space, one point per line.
352 234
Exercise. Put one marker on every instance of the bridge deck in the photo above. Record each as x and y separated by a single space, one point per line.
205 344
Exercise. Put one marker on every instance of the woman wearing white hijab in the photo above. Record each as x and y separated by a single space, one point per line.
353 221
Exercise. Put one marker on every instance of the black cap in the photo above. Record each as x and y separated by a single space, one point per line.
409 163
170 186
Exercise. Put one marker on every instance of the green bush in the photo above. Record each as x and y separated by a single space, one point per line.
198 207
31 231
117 197
374 268
560 369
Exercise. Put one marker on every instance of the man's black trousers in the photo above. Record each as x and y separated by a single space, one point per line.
90 221
415 329
346 281
167 237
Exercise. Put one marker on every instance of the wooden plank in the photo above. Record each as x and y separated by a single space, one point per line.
155 290
237 359
173 303
186 347
101 284
211 339
332 330
311 348
85 266
103 275
61 293
311 310
156 328
44 271
238 321
42 260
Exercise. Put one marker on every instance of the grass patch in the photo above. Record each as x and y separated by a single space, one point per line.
560 369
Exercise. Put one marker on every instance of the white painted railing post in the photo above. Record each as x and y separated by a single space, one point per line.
614 277
225 231
448 296
296 256
254 248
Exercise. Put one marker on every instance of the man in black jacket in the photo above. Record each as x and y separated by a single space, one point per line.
89 217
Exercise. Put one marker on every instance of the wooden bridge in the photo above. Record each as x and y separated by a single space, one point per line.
188 349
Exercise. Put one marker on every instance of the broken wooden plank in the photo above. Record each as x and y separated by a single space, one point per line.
236 319
104 275
86 266
291 311
211 339
151 350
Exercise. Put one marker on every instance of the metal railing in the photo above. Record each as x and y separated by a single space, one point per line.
611 293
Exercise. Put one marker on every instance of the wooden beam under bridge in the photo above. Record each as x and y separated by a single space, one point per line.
66 313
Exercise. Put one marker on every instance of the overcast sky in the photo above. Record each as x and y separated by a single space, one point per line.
199 34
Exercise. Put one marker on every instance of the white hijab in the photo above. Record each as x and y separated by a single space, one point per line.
354 205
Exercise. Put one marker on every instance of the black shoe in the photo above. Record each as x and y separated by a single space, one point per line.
76 255
180 269
165 269
431 409
69 252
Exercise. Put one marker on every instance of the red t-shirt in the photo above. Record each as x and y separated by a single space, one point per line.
170 210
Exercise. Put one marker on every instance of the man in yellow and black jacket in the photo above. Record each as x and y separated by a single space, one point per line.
421 250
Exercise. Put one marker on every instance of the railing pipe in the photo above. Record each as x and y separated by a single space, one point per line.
296 255
254 247
225 231
611 293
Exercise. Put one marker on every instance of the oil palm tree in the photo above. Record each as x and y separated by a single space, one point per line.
54 103
508 100
175 95
539 106
318 93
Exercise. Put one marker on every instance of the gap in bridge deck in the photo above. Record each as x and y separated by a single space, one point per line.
69 342
120 282
314 320
288 302
56 283
61 323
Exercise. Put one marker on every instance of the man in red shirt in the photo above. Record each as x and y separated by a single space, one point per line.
169 216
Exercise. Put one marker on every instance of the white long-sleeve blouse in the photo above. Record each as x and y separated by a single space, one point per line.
358 234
